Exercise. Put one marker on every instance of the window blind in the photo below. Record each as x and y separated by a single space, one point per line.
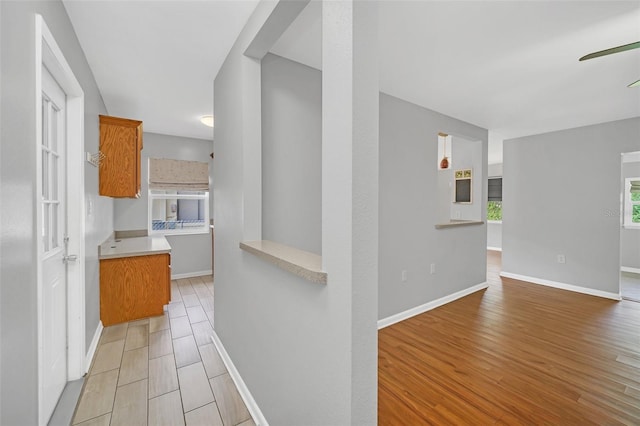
495 189
635 186
178 175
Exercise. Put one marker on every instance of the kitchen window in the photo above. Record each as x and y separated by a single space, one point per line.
178 197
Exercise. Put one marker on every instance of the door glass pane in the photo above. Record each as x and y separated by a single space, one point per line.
53 136
54 177
45 175
45 226
54 225
45 122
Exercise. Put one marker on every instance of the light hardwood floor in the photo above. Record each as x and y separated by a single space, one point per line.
163 370
630 286
515 353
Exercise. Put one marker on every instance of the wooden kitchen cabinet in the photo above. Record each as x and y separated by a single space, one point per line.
134 287
120 144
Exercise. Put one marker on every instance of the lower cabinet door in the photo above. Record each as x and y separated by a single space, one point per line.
133 287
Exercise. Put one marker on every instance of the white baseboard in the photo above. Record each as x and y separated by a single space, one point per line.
494 248
191 274
251 404
562 286
630 269
93 346
385 322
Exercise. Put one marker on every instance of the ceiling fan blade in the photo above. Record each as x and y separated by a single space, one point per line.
635 84
610 51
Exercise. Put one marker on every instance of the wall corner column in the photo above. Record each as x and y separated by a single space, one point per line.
350 104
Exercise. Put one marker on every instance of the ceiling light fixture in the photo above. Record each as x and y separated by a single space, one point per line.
207 120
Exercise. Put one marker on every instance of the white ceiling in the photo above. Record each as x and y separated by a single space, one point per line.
508 66
155 61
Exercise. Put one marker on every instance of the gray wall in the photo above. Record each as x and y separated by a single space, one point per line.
291 154
408 212
298 345
630 238
494 235
18 371
559 191
272 323
291 186
189 253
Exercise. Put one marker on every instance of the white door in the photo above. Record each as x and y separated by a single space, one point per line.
53 233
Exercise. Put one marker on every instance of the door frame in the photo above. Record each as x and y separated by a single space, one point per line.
49 54
625 157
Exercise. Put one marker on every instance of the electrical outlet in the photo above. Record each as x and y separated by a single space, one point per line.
404 275
561 258
433 268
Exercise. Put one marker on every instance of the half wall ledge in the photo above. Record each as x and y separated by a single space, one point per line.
299 262
454 223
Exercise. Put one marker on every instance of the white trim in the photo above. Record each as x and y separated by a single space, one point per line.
562 286
496 222
494 248
385 322
49 54
92 347
191 274
631 157
243 390
630 269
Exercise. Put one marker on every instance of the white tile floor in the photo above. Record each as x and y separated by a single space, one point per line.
163 370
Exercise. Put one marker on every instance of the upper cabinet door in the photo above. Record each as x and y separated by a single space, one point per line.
121 143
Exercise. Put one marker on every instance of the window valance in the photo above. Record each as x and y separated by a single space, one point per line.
178 174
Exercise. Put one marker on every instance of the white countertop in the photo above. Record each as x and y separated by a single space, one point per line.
129 247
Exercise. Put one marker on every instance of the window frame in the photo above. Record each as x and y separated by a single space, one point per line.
204 229
629 204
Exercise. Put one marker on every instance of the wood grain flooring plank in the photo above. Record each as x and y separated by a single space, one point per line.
137 336
160 344
135 366
163 377
207 415
213 364
515 353
108 357
159 323
166 410
130 406
97 396
185 351
194 387
230 404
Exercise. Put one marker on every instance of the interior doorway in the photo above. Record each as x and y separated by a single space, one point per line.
630 227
